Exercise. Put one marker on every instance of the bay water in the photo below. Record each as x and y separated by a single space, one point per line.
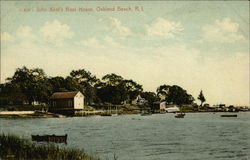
198 136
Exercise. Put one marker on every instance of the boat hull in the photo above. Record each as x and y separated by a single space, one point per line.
50 138
229 115
179 115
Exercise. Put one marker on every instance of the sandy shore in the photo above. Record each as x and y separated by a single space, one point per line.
16 112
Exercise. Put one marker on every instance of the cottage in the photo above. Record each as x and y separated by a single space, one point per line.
66 102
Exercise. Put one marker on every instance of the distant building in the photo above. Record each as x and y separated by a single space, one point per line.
163 105
139 101
66 102
172 109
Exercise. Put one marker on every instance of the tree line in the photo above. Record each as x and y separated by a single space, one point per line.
29 85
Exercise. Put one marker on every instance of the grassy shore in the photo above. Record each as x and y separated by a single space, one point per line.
13 147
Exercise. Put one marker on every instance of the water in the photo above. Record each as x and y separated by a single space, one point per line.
157 137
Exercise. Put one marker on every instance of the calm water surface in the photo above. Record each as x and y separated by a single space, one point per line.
199 136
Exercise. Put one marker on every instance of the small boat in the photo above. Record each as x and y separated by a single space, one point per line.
229 115
50 138
180 115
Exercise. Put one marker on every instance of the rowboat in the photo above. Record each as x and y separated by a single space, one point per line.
229 115
180 115
50 138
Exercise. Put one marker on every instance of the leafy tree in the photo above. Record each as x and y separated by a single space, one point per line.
82 76
32 83
112 79
87 82
112 90
175 94
126 90
57 84
11 94
112 94
151 97
201 98
163 91
133 89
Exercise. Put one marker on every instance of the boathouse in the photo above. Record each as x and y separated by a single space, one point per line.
66 102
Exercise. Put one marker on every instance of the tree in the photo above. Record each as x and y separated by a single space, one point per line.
11 94
175 95
82 76
163 91
31 83
57 84
133 89
112 94
150 97
201 98
112 79
127 90
112 90
88 83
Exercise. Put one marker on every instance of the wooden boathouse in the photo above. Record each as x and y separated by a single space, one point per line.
66 102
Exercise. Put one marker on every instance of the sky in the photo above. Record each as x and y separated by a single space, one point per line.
198 45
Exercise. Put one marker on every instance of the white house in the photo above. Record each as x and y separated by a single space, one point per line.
172 109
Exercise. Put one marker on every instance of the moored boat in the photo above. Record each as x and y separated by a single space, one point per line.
180 115
229 115
50 138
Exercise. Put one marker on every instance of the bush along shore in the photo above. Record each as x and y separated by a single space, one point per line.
13 147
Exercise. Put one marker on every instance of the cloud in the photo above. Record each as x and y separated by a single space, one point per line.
105 42
110 42
23 33
56 32
164 28
224 31
119 29
6 37
92 43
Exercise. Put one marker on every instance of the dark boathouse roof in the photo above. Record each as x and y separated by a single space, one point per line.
63 95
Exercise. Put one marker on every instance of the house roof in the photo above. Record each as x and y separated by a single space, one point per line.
63 95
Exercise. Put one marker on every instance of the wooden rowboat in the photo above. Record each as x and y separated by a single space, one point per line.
180 115
50 138
229 115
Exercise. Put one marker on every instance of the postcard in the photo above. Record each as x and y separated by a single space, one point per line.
126 80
